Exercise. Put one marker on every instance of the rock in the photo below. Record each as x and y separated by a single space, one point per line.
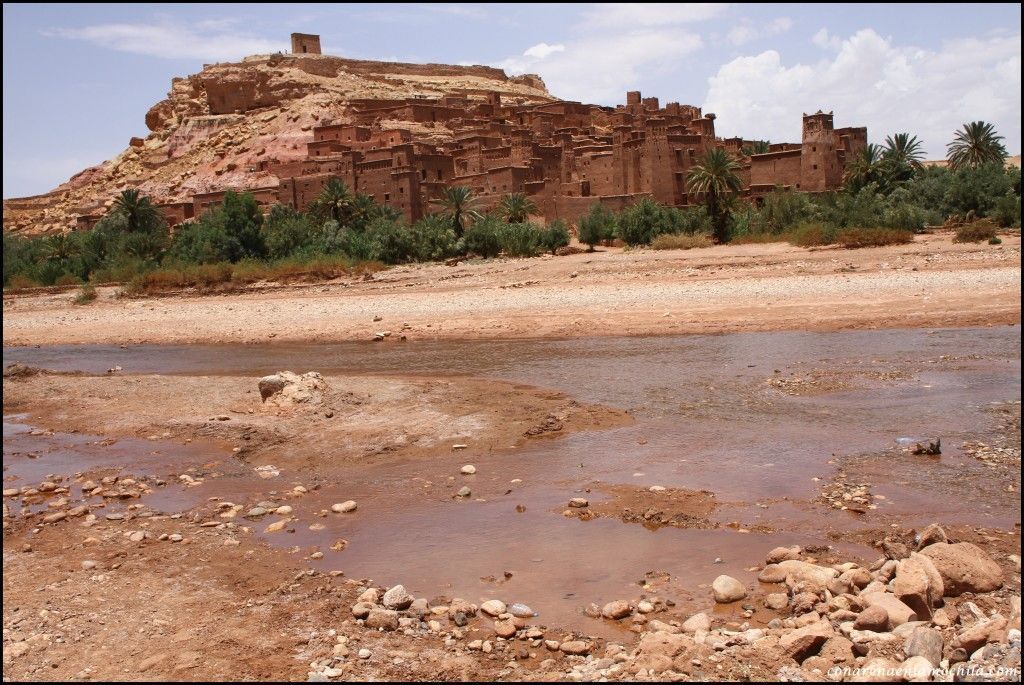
505 629
397 598
918 584
925 642
493 607
55 517
521 611
576 647
697 622
727 589
772 573
783 554
930 535
858 578
814 578
777 601
276 526
898 612
286 388
464 491
256 512
807 641
344 507
880 670
837 650
88 565
964 568
874 618
382 619
578 503
980 634
371 595
617 610
364 653
283 511
362 609
468 470
917 669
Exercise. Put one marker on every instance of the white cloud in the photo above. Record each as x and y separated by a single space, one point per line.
601 68
746 31
872 82
823 40
618 15
207 40
542 50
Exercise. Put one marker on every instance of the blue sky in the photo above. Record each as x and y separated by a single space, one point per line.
78 79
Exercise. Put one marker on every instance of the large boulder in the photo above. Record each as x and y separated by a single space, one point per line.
918 584
899 613
285 388
812 577
964 568
807 641
727 589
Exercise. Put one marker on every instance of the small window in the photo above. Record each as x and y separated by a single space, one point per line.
387 197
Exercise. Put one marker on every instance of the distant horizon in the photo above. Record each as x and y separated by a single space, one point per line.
96 70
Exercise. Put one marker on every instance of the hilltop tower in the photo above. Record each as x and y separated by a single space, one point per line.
819 164
305 44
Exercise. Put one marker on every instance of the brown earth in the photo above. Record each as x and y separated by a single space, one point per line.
932 282
358 419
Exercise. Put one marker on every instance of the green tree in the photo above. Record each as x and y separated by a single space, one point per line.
757 147
714 178
598 225
975 145
864 168
554 236
138 210
335 202
904 149
460 206
516 208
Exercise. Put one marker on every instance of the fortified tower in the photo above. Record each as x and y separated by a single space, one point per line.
305 44
819 164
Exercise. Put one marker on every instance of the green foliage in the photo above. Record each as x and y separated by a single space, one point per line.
554 236
459 204
389 241
714 178
86 295
520 240
285 232
976 144
1006 210
640 223
484 238
516 208
435 239
597 226
975 232
872 237
667 241
812 234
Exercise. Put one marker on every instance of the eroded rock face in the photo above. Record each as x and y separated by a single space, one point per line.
285 388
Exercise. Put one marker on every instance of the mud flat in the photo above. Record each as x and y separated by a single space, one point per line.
163 521
931 282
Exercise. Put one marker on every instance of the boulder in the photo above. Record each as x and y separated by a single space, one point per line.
925 642
807 641
783 554
930 535
964 568
286 388
898 612
383 619
814 578
917 669
697 622
493 607
880 670
980 634
918 584
397 598
874 618
777 601
617 610
727 589
837 650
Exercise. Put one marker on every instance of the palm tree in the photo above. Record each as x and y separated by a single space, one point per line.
974 145
904 149
60 247
715 178
139 210
459 205
335 202
515 208
864 168
758 147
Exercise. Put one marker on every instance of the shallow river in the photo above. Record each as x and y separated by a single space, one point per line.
707 417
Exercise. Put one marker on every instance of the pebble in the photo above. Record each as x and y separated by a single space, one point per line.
344 507
468 470
493 607
88 565
578 503
283 511
365 653
521 611
464 491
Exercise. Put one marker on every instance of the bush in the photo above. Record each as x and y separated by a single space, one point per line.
872 237
1006 210
667 241
483 238
67 279
519 240
905 217
812 234
388 241
975 232
86 295
20 282
597 226
435 239
640 223
554 236
995 240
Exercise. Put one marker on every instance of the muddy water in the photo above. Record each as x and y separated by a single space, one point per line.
707 417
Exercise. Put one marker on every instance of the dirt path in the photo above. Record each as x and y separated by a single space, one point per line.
932 282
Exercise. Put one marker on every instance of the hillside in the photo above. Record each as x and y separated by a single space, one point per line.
216 127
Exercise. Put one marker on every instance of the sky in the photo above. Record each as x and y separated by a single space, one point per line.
78 79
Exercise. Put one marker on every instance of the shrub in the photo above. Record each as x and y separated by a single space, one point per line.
905 217
519 240
975 232
20 282
1006 210
483 238
667 241
554 236
388 241
598 225
812 234
86 295
435 239
67 279
872 237
995 240
640 223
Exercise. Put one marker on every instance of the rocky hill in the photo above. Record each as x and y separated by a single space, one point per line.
215 127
